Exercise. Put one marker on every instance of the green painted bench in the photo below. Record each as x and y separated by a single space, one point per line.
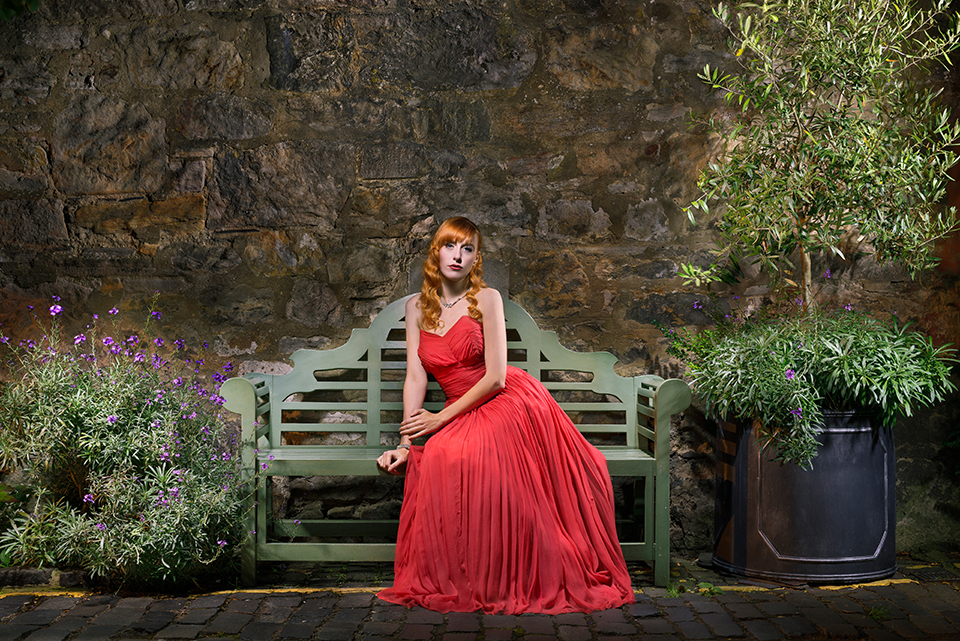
629 419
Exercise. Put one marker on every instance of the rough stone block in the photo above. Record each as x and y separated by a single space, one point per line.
370 268
23 82
177 216
466 49
190 56
647 221
190 176
572 220
310 51
223 117
561 283
605 56
282 185
239 305
103 146
312 303
224 5
20 183
393 160
32 223
54 37
70 11
675 309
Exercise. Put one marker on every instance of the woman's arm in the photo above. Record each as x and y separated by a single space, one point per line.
422 422
414 386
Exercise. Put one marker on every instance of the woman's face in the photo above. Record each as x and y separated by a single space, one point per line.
458 258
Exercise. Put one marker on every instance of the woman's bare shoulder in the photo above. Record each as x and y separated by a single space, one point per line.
489 299
411 306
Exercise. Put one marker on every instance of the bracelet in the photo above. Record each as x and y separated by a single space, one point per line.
404 446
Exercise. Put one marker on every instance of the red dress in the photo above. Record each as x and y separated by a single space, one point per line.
507 508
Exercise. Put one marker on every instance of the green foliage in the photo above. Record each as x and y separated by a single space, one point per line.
135 478
10 9
704 588
834 133
879 613
782 369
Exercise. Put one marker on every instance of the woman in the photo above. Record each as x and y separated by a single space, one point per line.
507 508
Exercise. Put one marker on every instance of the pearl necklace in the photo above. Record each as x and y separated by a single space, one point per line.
449 305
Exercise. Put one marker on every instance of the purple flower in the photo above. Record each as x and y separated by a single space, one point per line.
848 307
827 274
108 341
179 343
78 339
791 374
101 527
798 301
156 315
113 311
221 542
796 412
88 498
697 304
111 419
55 310
158 342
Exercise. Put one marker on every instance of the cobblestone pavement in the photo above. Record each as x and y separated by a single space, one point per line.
334 603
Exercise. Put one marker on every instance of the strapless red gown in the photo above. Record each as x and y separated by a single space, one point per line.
507 508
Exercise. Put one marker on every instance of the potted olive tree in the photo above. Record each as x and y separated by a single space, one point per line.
833 134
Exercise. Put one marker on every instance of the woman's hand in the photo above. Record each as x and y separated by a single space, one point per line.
393 459
420 423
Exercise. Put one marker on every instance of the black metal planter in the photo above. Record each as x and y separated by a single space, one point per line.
833 524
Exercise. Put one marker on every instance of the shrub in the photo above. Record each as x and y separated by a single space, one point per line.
782 369
134 477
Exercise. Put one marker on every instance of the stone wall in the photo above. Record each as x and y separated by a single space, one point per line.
274 170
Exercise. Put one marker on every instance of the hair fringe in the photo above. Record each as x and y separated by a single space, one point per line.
457 229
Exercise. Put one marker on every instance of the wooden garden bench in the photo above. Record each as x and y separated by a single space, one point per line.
628 417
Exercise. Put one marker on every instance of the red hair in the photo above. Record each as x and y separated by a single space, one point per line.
452 230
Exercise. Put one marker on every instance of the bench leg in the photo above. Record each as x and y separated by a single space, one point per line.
248 521
661 534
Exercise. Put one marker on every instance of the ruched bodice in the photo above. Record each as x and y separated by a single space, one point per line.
456 358
507 508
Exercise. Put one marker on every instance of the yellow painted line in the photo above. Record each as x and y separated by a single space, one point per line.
55 591
868 585
370 590
42 590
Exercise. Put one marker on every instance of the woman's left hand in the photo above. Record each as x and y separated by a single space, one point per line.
420 423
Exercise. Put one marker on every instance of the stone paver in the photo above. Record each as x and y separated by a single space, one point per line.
897 611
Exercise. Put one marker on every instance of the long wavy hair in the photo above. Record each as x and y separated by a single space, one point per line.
452 230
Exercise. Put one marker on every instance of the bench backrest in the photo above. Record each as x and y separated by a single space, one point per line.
359 385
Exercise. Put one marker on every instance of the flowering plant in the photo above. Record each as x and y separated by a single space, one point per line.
781 369
133 475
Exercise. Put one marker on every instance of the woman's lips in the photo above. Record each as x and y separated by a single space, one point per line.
456 267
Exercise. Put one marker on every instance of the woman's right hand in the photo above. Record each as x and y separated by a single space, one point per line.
393 459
